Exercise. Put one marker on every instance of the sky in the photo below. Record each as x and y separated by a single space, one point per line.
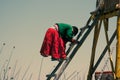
23 24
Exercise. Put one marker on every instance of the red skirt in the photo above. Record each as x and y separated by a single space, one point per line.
53 45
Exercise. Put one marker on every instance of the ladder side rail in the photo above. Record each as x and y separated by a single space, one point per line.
77 47
69 49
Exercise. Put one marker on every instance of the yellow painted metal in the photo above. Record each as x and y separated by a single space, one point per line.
117 68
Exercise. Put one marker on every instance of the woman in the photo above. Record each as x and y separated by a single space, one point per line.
55 40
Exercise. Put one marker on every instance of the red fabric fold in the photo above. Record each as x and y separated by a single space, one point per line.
53 45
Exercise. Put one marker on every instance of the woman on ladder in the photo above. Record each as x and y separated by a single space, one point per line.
55 40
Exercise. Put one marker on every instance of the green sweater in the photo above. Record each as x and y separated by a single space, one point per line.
65 31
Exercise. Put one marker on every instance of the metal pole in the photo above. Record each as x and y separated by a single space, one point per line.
117 68
95 40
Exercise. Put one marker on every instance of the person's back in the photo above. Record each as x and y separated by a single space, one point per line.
65 31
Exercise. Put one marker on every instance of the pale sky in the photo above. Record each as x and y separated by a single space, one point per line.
23 24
